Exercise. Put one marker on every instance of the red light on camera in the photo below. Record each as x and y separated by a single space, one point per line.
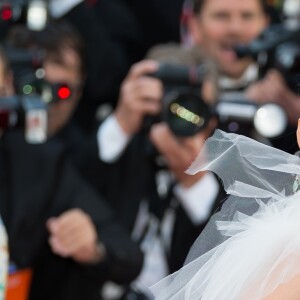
6 13
64 93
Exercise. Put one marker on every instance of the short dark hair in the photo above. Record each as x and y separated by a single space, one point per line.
59 35
198 5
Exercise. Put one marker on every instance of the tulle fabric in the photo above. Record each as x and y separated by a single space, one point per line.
251 247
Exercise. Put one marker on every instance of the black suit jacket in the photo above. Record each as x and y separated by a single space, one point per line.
131 179
127 181
37 183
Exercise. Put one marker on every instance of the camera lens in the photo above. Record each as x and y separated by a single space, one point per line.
186 113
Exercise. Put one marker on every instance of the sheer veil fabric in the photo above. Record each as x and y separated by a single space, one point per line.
250 249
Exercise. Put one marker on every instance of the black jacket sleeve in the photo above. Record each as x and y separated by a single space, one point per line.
43 184
124 259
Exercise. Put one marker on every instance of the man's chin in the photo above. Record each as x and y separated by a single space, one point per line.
233 71
234 68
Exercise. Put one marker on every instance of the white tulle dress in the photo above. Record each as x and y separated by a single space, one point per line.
250 249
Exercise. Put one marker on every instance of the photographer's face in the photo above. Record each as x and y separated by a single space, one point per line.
222 24
65 69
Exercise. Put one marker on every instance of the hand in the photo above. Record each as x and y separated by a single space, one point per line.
274 89
74 235
140 95
180 152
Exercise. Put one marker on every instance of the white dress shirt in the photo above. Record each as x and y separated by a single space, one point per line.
197 200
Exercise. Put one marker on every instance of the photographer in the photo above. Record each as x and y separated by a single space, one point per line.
279 45
217 27
139 199
60 231
61 57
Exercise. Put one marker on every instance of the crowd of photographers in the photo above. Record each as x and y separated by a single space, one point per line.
98 126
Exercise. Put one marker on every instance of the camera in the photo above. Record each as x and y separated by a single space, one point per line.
26 112
48 93
34 13
183 107
277 47
26 65
237 113
29 109
186 112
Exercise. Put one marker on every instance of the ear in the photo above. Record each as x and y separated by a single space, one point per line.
298 133
195 29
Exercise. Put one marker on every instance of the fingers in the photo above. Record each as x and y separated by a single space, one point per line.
272 88
166 143
179 152
143 95
142 68
72 232
140 96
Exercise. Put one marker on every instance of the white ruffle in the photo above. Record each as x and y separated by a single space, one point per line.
251 248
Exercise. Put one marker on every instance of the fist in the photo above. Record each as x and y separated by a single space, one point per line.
73 234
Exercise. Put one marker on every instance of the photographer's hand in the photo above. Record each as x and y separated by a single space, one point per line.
180 152
273 88
74 235
140 95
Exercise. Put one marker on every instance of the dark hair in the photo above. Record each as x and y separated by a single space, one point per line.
60 35
198 5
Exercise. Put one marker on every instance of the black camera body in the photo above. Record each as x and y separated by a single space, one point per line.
239 114
28 109
186 112
277 47
32 13
29 113
183 110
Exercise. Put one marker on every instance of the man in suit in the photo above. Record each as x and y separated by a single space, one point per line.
57 225
215 26
124 158
111 34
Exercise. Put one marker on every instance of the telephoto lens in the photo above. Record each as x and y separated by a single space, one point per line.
186 113
183 107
